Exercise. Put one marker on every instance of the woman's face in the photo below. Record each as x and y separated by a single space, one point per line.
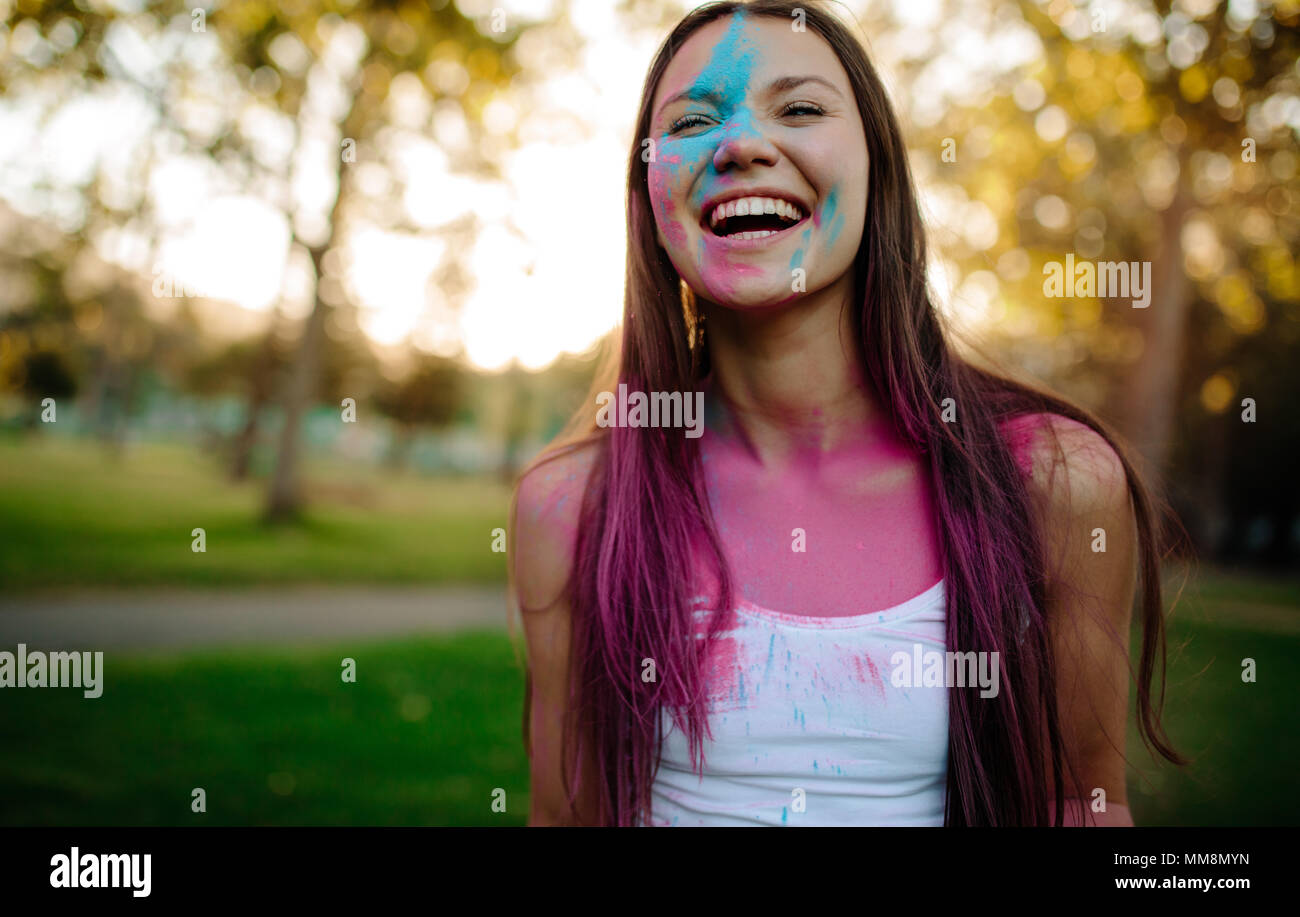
759 173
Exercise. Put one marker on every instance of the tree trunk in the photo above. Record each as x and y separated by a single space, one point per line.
260 384
284 499
399 452
1153 390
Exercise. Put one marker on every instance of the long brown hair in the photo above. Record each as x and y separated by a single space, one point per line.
645 517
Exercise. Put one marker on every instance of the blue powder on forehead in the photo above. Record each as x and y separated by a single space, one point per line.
729 68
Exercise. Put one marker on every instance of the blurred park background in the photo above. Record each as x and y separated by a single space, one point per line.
318 277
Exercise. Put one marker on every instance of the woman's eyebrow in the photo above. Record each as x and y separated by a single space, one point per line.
699 93
786 83
695 93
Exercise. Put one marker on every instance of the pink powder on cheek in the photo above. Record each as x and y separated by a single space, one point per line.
661 200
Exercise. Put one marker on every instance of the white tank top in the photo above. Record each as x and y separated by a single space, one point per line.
808 727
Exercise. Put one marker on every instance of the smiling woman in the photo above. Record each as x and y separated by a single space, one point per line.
753 161
731 629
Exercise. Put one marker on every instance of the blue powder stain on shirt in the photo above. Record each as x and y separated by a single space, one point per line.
784 814
771 647
742 687
814 765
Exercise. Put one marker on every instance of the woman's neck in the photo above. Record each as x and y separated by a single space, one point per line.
789 378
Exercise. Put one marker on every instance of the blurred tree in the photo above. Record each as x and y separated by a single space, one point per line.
358 50
1163 136
430 395
319 73
248 367
47 374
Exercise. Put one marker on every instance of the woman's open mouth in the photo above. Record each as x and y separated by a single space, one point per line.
747 218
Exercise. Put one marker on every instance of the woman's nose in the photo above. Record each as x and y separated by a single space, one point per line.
743 146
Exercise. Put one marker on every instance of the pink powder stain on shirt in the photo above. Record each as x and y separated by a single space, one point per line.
725 667
865 671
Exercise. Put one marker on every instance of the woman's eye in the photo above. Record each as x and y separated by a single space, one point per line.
686 121
803 108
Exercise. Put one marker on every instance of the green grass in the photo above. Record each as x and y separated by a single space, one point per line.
1241 737
71 516
424 736
431 728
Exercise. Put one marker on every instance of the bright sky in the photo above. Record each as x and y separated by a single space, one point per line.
547 267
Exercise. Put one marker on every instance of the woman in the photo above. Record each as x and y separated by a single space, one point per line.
885 586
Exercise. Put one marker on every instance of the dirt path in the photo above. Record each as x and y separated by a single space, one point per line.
179 618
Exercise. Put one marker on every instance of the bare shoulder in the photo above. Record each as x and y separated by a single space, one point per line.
1072 469
1080 490
548 504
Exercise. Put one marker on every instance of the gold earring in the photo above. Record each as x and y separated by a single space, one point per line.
694 318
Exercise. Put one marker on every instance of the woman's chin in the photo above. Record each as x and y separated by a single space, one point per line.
751 296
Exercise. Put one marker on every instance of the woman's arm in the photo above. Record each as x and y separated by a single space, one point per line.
1091 548
549 500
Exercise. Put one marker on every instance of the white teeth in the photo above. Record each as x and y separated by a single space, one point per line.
749 206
